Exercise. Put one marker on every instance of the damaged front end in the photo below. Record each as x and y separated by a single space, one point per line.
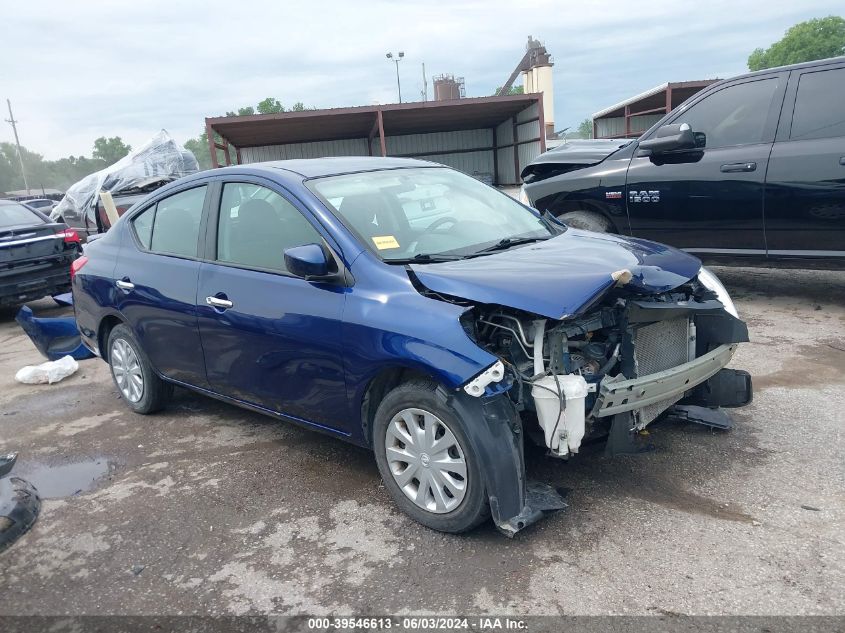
608 372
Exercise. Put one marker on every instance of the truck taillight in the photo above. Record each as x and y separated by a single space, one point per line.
76 265
70 236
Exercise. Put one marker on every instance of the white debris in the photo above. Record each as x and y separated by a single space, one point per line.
49 372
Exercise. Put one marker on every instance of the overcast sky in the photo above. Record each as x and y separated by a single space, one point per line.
78 70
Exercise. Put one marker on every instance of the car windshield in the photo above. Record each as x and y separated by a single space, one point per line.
422 213
13 214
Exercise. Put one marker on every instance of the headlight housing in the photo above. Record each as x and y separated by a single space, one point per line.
711 282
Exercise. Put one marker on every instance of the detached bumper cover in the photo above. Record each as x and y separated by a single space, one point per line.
621 396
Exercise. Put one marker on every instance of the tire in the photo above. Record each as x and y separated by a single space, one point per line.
586 220
453 497
138 385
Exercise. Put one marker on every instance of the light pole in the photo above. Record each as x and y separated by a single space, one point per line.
396 60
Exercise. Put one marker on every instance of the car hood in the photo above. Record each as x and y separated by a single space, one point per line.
581 152
561 276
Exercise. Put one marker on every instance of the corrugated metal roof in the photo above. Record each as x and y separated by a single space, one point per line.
358 122
651 92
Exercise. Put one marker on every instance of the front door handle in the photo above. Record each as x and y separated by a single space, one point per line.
842 160
731 168
217 302
124 285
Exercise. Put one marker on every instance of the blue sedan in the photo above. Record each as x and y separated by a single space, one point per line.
404 306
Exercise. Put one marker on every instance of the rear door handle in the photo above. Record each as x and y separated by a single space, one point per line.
730 168
124 285
217 302
842 160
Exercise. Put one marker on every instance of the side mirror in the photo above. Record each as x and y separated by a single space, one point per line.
310 262
669 138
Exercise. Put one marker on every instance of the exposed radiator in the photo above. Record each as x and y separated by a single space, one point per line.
658 347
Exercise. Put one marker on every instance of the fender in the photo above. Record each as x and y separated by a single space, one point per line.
495 432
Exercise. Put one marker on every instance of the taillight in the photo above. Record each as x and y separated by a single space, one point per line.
70 236
76 265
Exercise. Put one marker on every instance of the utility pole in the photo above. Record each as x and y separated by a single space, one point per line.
425 85
12 121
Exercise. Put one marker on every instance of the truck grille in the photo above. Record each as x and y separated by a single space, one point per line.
658 347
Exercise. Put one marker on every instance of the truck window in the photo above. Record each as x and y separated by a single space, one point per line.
820 105
735 115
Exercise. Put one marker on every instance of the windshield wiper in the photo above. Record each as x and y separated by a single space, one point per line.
424 258
507 242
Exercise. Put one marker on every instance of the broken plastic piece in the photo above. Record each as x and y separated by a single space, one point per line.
53 337
19 503
621 277
714 418
49 372
64 299
494 373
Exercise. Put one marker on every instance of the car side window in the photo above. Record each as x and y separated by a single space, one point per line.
256 225
176 224
819 105
143 226
735 115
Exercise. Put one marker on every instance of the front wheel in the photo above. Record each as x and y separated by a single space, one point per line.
138 384
426 460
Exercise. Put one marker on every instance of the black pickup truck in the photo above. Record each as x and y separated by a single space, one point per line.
750 170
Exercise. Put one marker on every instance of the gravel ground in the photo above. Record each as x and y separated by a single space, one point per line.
206 508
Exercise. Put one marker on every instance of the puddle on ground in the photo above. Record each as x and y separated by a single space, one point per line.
55 481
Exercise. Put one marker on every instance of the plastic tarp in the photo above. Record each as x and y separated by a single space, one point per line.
160 157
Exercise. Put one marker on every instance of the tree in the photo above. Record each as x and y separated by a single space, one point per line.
270 105
199 148
585 129
247 111
805 42
110 150
513 90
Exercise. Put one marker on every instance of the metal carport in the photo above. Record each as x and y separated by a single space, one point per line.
489 137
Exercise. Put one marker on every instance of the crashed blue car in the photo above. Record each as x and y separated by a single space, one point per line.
404 306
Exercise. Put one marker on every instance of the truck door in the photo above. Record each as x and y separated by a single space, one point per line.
805 186
709 199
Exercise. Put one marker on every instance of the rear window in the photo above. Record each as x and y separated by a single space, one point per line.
820 105
13 214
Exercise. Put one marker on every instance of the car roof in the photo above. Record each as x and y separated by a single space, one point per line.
801 66
332 166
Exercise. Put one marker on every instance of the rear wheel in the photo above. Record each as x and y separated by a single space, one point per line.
426 461
137 383
587 220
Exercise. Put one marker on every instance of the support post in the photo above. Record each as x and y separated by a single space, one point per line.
627 121
495 158
542 120
212 148
516 178
380 122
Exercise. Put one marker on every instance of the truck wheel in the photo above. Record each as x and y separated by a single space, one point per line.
426 461
587 220
137 383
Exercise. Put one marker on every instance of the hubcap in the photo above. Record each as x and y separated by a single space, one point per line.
426 460
127 370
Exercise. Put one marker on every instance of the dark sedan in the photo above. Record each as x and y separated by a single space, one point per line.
35 254
409 308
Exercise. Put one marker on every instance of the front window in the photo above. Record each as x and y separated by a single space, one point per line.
405 214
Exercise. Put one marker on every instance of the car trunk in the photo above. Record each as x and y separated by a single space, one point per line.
32 258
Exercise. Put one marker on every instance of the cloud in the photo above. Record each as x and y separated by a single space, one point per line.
83 70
